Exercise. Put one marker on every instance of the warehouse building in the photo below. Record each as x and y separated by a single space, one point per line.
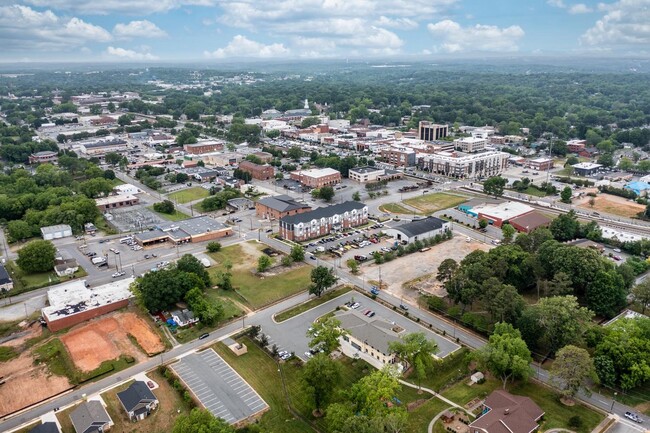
417 230
116 201
501 213
198 229
56 232
72 303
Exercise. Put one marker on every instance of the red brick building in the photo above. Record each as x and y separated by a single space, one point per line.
43 157
259 172
278 207
205 147
116 201
317 177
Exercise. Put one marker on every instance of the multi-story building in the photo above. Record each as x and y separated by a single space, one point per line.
323 221
259 172
373 174
399 156
470 144
428 131
541 164
104 147
317 177
576 146
279 206
203 147
465 166
43 157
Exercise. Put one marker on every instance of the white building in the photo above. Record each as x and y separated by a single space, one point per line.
56 232
465 166
418 230
470 144
372 174
127 189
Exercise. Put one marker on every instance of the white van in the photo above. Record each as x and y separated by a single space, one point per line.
126 239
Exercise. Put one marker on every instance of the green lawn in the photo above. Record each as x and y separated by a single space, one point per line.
188 195
7 353
397 208
535 192
447 371
462 393
176 216
419 419
24 282
429 203
258 291
312 303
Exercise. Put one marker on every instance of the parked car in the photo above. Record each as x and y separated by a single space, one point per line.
404 307
118 274
114 250
204 336
633 416
374 290
355 305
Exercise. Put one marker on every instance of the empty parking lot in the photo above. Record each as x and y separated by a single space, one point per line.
218 387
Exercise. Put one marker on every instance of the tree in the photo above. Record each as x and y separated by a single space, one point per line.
495 186
571 370
483 223
508 232
417 351
592 202
320 376
372 391
565 227
263 263
158 290
326 193
208 312
225 276
19 230
566 194
506 354
295 153
324 335
273 133
356 196
213 247
446 270
165 206
506 305
641 293
125 119
322 278
297 253
201 421
562 319
111 107
189 263
93 188
353 265
36 256
606 295
112 158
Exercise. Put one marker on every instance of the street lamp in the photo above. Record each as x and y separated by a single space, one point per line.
611 409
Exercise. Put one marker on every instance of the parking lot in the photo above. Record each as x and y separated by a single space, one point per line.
291 334
351 242
219 388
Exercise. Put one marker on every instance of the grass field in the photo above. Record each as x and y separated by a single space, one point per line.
397 208
161 420
188 195
453 367
429 203
419 419
176 216
24 282
312 303
255 290
65 421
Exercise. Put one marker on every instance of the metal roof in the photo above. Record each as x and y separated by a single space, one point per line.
419 227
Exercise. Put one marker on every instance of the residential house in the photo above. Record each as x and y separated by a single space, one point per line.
65 267
138 401
90 417
46 427
6 283
507 413
183 318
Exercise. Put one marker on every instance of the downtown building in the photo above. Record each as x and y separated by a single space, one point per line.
323 221
465 166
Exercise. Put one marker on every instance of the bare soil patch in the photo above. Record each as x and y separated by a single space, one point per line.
612 204
107 338
27 384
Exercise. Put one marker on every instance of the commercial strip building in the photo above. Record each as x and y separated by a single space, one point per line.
116 201
322 221
417 230
203 147
528 222
279 206
373 174
257 171
317 177
56 232
72 303
465 166
586 168
198 229
103 147
428 131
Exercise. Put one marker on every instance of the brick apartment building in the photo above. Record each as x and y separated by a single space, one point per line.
259 172
323 221
317 177
278 207
400 157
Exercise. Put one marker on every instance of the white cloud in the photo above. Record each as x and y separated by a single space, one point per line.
241 46
122 53
397 23
455 38
22 27
580 8
138 29
556 3
133 7
626 22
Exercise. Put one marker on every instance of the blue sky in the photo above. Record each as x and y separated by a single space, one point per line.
218 30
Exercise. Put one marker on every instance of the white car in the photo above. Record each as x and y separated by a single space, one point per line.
118 274
355 305
634 417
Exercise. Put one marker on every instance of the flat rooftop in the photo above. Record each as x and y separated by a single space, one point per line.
74 297
586 165
114 199
504 211
365 170
317 172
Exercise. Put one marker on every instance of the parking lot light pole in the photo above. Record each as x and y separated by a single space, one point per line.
611 409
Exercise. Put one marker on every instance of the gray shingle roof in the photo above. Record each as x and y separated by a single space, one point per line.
4 276
46 427
374 332
419 227
136 394
89 416
323 212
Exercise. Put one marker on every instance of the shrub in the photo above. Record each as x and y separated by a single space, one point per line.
575 421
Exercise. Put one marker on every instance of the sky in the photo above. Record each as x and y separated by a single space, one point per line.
219 30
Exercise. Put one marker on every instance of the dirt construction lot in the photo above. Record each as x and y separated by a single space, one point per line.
612 204
107 338
416 265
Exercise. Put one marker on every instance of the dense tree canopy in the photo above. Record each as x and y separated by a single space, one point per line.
36 256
